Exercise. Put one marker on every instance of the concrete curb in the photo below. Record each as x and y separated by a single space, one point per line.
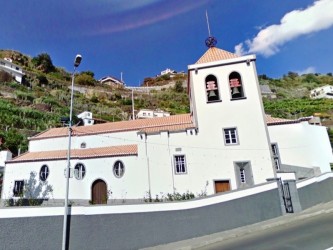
206 240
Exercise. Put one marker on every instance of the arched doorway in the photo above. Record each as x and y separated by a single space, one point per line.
99 192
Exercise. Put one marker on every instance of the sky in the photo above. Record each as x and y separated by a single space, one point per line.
135 39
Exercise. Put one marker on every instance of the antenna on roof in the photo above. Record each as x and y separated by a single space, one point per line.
210 41
207 23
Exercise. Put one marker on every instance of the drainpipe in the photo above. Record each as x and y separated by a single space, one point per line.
148 168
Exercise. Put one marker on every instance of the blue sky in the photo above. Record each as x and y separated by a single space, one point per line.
143 37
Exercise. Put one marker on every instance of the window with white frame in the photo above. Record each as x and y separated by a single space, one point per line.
118 169
276 155
44 173
18 188
180 164
79 171
230 136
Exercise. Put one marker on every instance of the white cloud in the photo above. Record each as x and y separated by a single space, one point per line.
307 71
292 25
239 49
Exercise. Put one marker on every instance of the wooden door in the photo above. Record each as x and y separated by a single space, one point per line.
99 192
222 186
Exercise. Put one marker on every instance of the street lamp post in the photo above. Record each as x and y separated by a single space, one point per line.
77 62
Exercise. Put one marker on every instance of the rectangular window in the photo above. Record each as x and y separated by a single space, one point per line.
18 188
242 175
276 155
180 164
230 136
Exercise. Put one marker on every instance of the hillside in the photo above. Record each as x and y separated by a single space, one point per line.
44 97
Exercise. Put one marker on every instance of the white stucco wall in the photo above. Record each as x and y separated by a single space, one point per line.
92 141
132 185
303 145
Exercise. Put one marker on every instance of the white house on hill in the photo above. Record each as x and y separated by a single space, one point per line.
87 118
225 143
11 68
168 71
322 92
148 113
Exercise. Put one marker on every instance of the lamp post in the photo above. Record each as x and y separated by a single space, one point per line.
77 62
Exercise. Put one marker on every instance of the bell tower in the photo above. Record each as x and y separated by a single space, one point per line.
226 101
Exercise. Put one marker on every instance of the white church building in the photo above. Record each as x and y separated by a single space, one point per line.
227 142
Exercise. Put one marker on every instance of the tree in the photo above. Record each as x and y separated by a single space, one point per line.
42 80
311 78
292 75
85 79
43 63
13 141
90 73
179 87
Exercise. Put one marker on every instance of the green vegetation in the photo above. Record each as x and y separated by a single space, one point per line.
43 63
297 107
293 101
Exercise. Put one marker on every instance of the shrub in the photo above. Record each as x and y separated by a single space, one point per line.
43 63
5 77
85 79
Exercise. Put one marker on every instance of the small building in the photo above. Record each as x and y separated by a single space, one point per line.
11 68
315 120
322 92
266 91
112 81
87 118
168 71
148 113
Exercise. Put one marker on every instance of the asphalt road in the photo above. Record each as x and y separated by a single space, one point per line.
307 234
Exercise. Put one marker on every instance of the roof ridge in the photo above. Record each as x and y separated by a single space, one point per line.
215 54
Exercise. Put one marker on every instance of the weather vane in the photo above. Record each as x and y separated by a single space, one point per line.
210 41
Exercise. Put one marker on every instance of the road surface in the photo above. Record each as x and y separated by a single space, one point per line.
307 234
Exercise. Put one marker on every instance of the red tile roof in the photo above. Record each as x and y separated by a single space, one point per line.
174 128
123 150
281 121
214 54
157 124
172 123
